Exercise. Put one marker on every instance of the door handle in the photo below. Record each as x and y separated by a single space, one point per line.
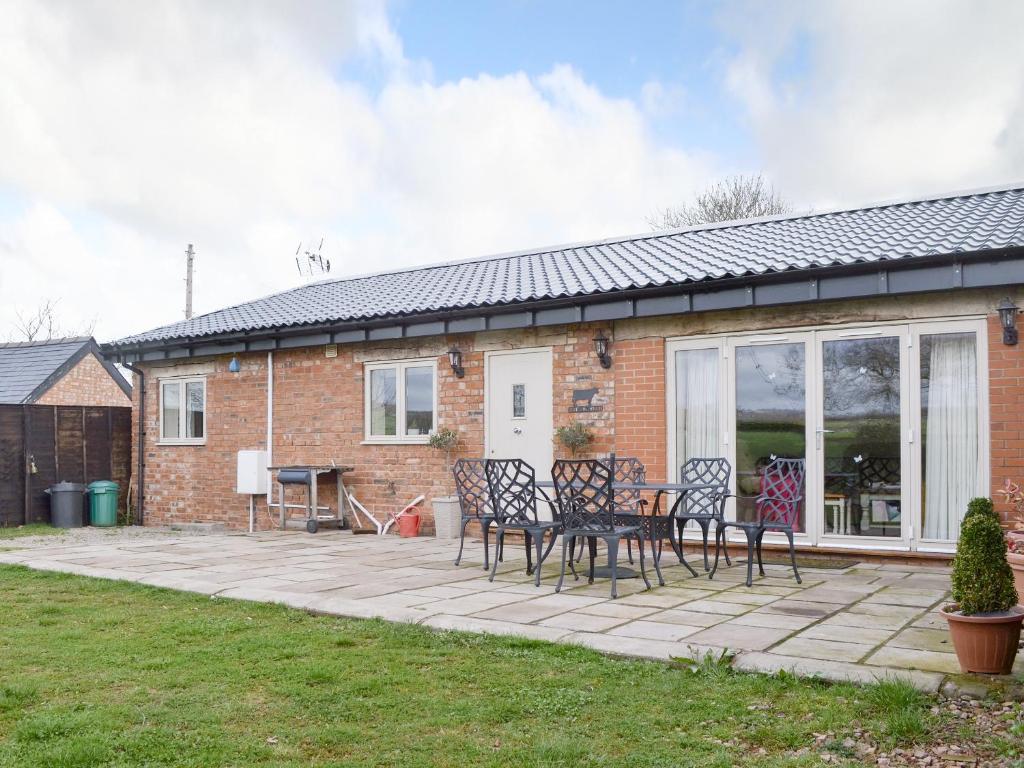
517 431
824 431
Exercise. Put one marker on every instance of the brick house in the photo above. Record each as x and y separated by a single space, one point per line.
868 341
69 371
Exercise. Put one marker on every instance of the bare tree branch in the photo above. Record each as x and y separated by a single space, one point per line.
42 324
737 197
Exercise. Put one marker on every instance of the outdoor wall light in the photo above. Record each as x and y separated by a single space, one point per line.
234 366
601 345
455 360
1008 319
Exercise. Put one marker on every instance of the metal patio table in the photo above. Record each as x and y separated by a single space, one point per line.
655 525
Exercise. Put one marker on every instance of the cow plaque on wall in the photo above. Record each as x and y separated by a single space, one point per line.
587 400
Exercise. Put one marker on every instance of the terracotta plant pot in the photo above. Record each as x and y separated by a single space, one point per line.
1017 565
986 644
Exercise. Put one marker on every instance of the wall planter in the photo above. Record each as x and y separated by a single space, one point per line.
447 517
984 622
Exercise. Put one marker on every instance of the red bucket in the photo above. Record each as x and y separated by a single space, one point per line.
409 525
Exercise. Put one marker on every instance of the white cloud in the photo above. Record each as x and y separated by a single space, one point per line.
858 101
130 129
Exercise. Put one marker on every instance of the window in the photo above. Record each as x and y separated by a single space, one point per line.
401 403
183 411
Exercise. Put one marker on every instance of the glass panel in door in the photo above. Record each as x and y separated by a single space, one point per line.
861 437
697 394
771 415
949 431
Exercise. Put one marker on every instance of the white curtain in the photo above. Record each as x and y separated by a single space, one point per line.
951 436
697 404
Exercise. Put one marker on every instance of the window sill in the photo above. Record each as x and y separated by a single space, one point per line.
180 442
424 440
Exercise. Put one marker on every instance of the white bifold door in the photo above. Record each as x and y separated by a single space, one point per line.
891 421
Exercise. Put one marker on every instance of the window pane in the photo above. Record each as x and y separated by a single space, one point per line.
383 415
697 372
518 401
194 413
171 404
419 400
863 473
949 426
770 415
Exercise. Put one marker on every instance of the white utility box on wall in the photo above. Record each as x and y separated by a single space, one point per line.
252 473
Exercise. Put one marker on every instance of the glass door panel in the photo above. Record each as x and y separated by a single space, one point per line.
861 436
770 413
697 390
949 431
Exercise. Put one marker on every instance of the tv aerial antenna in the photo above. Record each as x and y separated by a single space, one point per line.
311 263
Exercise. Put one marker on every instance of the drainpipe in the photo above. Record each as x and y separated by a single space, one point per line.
270 427
141 471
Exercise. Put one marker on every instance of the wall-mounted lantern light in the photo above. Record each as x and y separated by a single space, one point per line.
234 366
455 360
1008 319
601 345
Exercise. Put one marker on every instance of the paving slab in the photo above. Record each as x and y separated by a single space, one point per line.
924 639
911 658
654 630
807 648
740 636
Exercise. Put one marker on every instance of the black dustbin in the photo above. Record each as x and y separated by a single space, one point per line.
66 502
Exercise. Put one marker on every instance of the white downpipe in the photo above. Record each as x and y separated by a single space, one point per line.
270 427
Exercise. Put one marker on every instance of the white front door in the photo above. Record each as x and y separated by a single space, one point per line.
519 410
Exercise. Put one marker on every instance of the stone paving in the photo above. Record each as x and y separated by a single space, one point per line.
862 623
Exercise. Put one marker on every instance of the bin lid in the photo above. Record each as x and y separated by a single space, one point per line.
66 487
103 485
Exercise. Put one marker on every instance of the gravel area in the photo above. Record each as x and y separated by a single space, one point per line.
88 536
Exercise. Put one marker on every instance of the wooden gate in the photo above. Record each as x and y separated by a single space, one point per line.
42 444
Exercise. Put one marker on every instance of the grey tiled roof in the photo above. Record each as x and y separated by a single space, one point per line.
25 366
955 224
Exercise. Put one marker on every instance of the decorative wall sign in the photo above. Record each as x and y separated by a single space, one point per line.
587 401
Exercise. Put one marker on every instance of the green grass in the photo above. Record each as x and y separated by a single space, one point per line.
33 529
103 673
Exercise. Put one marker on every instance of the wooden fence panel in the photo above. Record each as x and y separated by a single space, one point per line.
41 446
73 443
12 466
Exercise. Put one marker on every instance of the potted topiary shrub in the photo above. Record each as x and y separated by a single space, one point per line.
576 437
447 514
1014 495
985 620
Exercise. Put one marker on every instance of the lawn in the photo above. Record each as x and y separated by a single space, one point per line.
97 672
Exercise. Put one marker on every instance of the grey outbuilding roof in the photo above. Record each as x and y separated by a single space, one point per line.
29 369
695 258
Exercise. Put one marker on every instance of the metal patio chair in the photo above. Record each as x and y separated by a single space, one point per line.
474 502
586 502
512 489
704 506
628 501
777 507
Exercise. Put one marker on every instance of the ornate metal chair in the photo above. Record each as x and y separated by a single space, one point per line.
627 501
704 506
586 502
777 507
512 488
474 501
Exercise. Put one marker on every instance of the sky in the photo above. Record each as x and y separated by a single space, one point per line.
410 132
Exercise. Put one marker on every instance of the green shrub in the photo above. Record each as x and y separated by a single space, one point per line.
575 437
980 506
982 579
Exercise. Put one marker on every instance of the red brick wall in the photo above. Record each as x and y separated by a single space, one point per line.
640 415
87 383
1006 404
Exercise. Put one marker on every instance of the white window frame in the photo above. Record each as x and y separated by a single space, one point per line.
910 330
182 413
399 366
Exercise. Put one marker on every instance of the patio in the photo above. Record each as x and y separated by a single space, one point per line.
860 623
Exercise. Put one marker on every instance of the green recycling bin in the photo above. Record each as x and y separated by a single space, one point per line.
103 503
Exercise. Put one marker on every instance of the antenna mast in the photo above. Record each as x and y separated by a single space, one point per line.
189 259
